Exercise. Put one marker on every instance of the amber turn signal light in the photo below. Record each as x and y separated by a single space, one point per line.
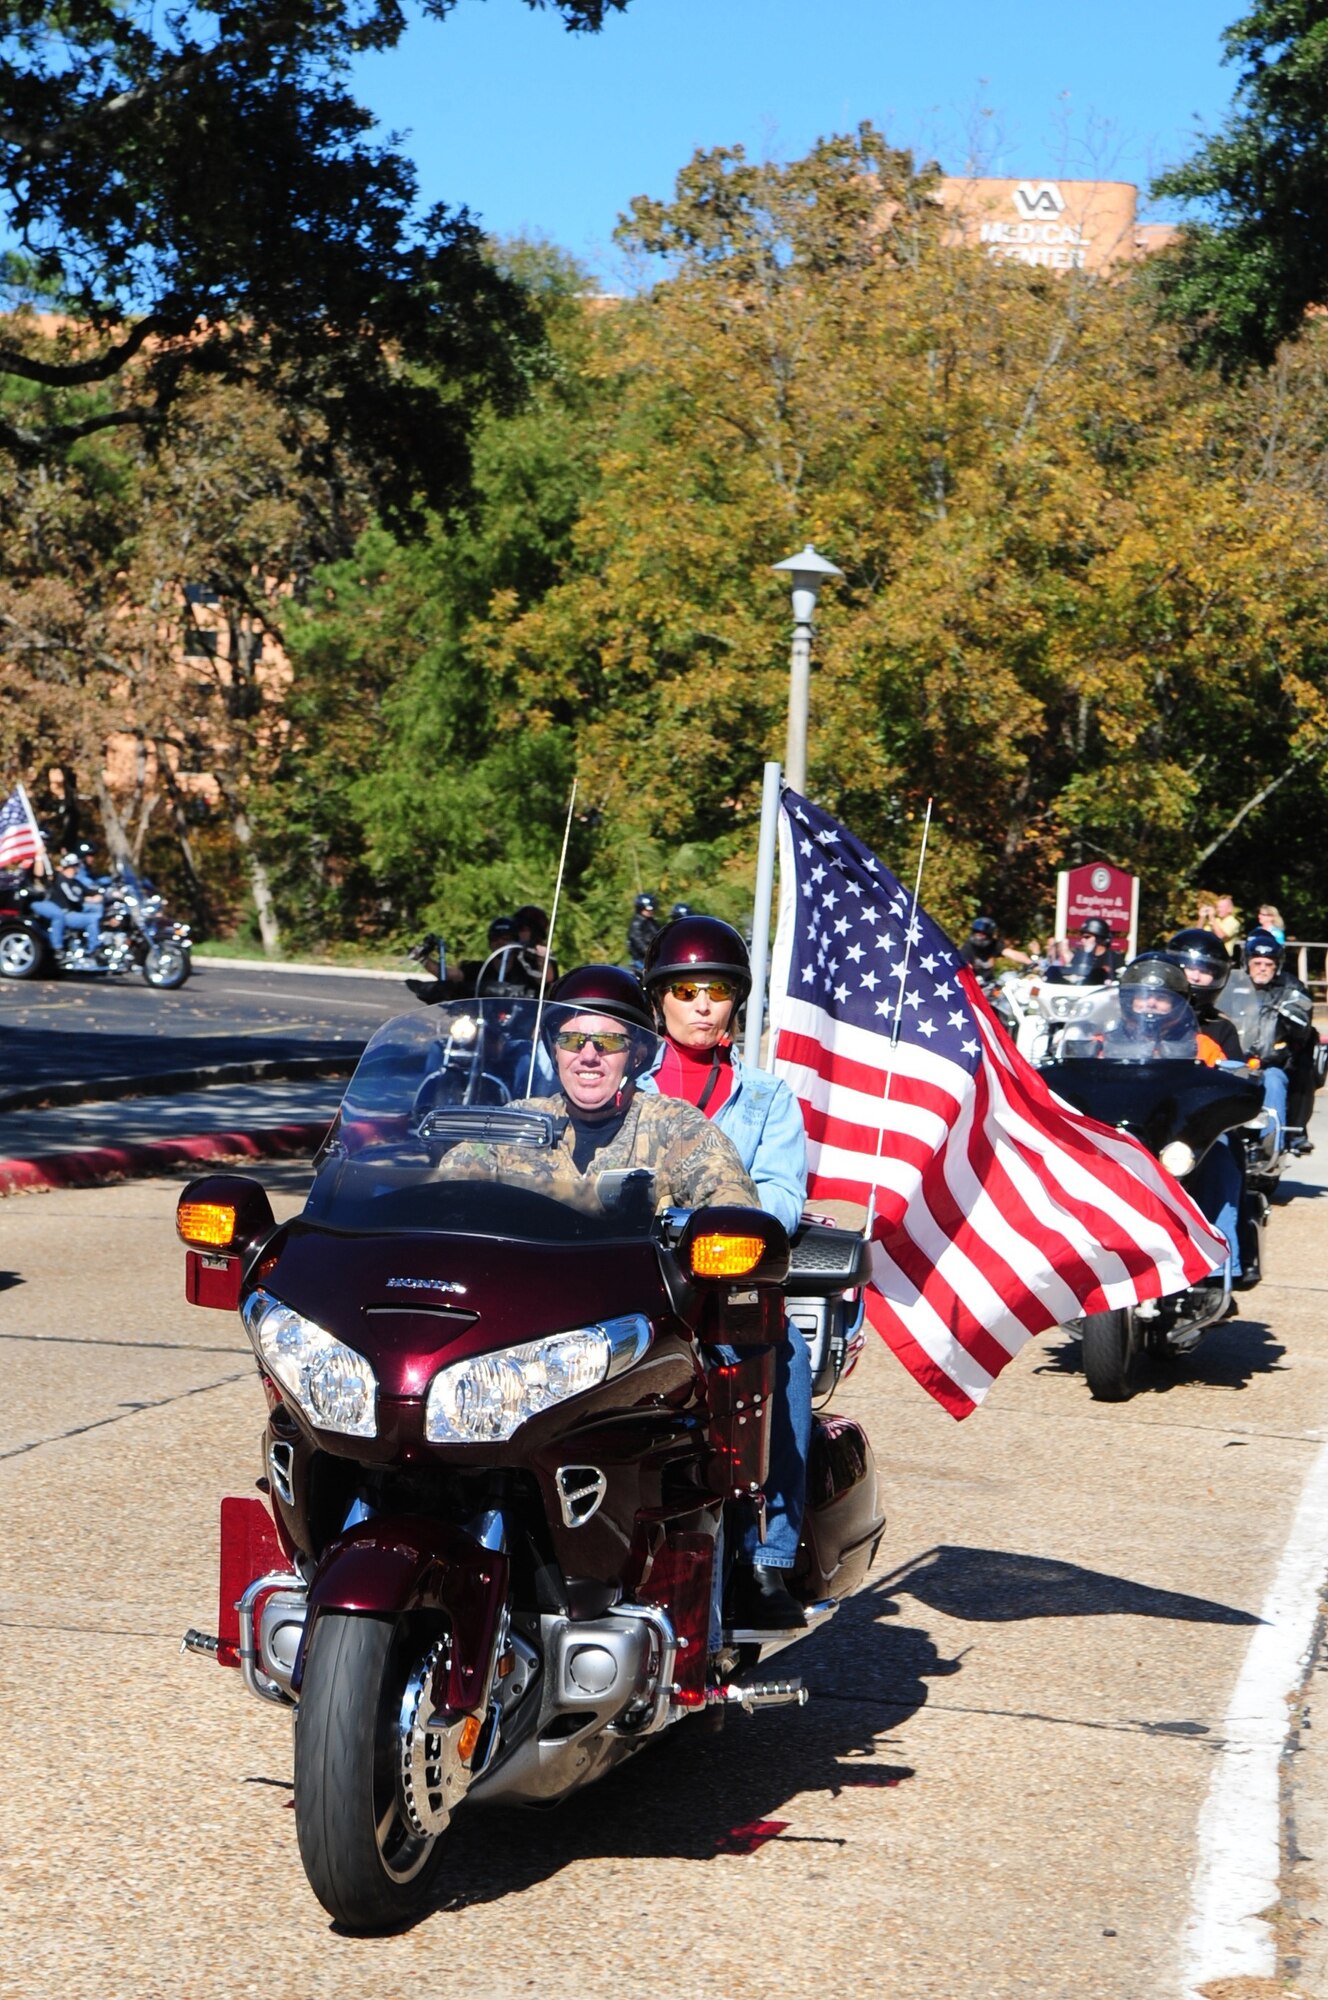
208 1225
726 1256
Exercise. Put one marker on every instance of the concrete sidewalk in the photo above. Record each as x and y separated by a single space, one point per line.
82 1144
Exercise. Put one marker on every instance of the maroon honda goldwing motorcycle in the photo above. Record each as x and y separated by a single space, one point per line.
503 1464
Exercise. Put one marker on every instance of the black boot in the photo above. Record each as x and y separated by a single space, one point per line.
765 1603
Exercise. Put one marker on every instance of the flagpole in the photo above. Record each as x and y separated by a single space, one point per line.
45 868
899 1018
548 944
765 884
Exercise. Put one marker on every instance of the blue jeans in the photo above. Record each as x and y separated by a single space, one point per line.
1276 1083
1216 1185
790 1442
55 916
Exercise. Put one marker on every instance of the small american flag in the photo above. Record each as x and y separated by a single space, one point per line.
999 1212
18 843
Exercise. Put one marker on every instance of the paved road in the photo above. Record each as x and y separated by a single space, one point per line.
994 1791
53 1029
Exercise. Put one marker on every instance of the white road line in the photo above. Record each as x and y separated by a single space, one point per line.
1239 1829
353 1006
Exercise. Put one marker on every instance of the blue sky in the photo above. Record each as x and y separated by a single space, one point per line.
551 134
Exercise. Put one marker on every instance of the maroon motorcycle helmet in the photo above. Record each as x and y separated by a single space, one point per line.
690 947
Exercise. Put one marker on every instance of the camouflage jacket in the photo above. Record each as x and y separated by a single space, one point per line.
692 1160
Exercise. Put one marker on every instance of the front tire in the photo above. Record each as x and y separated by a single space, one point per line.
166 967
1111 1356
22 956
367 1864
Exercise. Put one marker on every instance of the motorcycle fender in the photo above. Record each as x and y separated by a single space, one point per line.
392 1564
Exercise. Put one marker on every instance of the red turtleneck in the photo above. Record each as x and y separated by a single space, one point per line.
686 1072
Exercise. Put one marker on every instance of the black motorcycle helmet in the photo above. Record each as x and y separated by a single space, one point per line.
680 910
1199 951
1262 944
530 917
983 927
692 946
1156 972
501 931
644 905
1096 927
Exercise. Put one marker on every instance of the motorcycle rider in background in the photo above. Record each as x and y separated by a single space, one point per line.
1095 936
983 946
1220 1184
1283 1035
642 931
697 974
70 906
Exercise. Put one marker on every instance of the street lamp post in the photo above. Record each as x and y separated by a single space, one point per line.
806 573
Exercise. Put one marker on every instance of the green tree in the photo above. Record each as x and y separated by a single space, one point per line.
1255 259
201 190
403 794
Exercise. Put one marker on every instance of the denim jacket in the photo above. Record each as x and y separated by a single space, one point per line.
763 1119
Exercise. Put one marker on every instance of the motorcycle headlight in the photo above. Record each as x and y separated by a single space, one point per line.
485 1399
331 1382
1177 1158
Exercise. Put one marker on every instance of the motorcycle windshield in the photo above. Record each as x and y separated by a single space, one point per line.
1141 1024
1243 1005
462 1120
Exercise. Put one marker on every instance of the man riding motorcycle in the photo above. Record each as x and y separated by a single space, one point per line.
1276 1018
642 931
609 1124
1204 961
70 907
1219 1187
697 974
1095 936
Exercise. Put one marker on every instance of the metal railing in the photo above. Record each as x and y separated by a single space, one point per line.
1310 962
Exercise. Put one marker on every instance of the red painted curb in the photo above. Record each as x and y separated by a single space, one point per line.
93 1164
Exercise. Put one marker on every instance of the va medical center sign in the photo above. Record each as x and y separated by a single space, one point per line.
1054 225
1042 233
1099 889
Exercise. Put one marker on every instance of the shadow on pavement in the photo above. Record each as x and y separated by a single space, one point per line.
1230 1356
998 1586
8 1280
697 1793
33 1056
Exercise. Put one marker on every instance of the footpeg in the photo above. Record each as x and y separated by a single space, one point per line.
760 1694
200 1642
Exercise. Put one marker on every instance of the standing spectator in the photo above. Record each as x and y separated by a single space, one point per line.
1222 919
1271 919
642 931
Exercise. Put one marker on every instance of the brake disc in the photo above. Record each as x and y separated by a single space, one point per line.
432 1776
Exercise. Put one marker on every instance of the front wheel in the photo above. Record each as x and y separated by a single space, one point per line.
1111 1356
22 955
373 1788
166 967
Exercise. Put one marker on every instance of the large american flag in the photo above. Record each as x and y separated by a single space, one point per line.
18 843
999 1211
